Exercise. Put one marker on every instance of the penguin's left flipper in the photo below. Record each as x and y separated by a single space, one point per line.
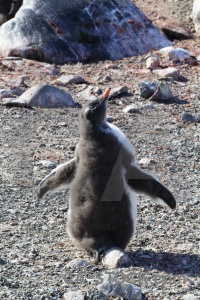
143 182
59 178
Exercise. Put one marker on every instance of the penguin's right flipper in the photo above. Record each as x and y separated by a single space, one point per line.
143 182
59 178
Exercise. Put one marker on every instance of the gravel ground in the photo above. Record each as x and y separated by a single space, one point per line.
35 248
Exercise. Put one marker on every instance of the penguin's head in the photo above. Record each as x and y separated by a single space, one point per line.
94 112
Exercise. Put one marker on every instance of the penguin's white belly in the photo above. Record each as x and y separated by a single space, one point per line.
133 203
132 195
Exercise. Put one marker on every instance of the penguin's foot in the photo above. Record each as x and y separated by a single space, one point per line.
96 255
116 258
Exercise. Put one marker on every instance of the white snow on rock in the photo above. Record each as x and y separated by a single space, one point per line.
176 53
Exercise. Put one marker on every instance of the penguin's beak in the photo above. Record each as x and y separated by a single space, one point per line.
106 95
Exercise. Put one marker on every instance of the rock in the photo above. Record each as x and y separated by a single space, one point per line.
90 93
63 124
98 79
190 297
70 31
77 263
196 15
125 290
98 91
162 93
16 82
48 164
148 106
172 29
112 66
176 53
131 109
116 258
20 261
96 295
190 118
74 296
110 119
51 70
158 128
45 96
7 64
152 61
2 262
147 89
168 72
70 79
147 161
107 78
11 63
10 93
118 91
155 90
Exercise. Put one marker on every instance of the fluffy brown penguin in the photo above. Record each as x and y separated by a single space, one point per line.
103 179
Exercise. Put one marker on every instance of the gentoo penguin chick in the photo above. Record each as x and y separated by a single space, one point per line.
103 179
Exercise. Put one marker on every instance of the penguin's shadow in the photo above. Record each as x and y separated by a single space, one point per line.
168 262
173 100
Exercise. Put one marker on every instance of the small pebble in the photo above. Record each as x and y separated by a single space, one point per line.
190 118
110 119
115 92
70 79
152 61
132 109
77 263
149 106
74 296
48 164
190 297
147 161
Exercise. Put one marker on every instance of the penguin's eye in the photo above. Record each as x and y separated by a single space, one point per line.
94 106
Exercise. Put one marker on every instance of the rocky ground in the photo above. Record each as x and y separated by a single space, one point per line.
35 248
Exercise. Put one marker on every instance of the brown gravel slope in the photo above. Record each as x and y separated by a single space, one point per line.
34 245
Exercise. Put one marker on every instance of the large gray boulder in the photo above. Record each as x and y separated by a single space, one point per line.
58 31
196 15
